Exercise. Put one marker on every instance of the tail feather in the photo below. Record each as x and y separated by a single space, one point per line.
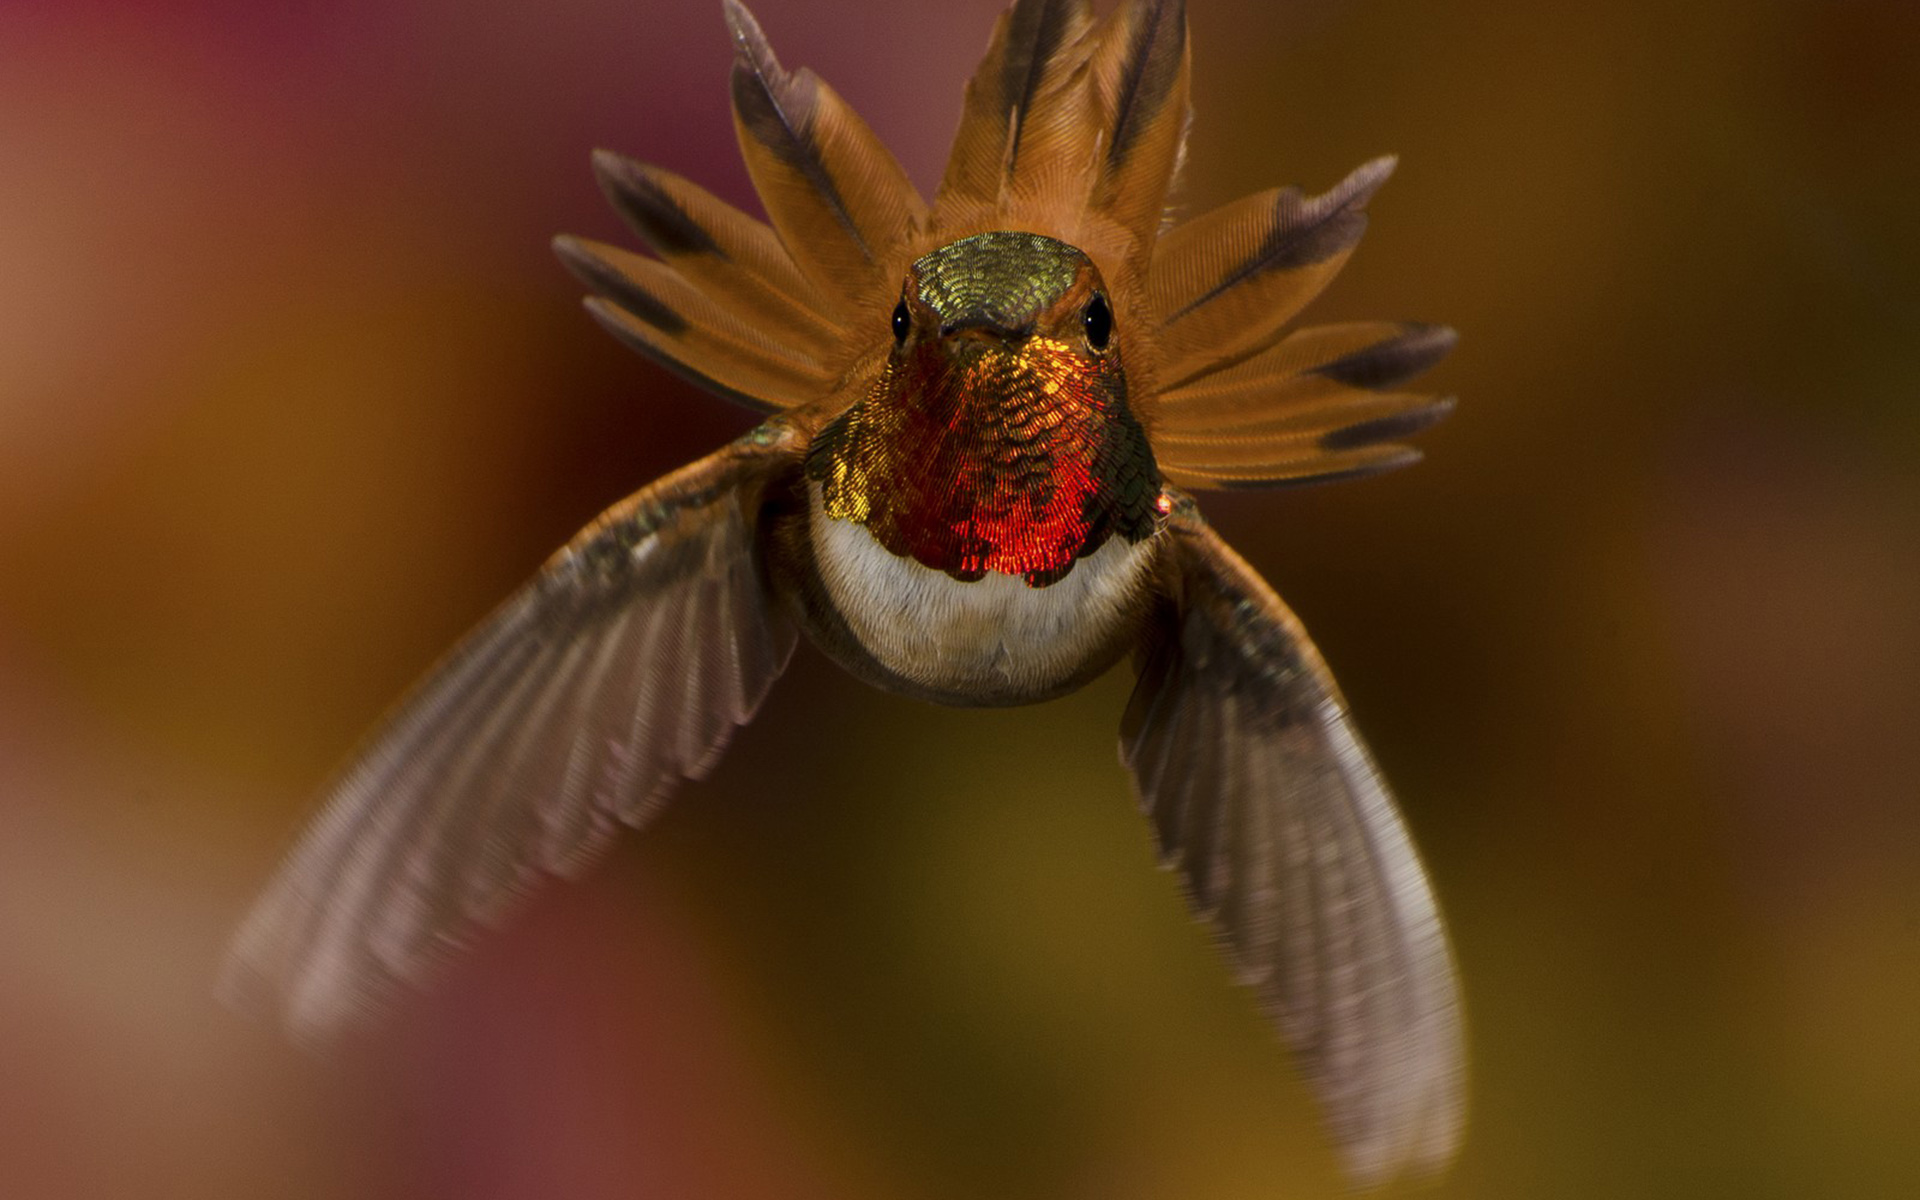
650 307
1141 70
1354 359
735 260
1074 128
1227 283
839 200
1013 100
1314 405
1283 470
661 296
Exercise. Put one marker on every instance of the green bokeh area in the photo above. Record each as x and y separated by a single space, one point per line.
291 391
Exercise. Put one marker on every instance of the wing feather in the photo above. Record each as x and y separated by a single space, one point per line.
1320 902
624 666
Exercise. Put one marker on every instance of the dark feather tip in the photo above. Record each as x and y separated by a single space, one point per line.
612 318
1306 231
1402 456
1359 186
1153 66
1393 360
1387 429
649 209
609 281
1035 33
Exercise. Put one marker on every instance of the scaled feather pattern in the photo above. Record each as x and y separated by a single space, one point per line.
630 660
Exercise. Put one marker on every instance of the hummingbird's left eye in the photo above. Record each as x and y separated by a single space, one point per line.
1098 320
902 321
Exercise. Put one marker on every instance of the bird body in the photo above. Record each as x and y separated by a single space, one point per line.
980 521
984 419
996 640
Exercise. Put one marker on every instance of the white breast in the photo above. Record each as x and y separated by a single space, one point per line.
995 633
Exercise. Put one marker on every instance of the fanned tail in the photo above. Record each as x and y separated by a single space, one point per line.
772 317
733 259
1072 128
659 312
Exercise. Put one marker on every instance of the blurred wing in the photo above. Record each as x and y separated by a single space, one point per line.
622 668
1261 793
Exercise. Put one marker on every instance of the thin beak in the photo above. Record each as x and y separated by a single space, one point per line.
982 327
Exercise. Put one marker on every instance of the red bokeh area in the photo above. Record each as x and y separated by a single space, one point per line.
292 390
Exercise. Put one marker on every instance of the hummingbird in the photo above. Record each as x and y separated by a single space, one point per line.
984 421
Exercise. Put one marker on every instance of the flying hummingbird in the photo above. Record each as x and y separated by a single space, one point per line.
984 417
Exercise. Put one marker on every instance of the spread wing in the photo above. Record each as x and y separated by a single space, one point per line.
620 669
1263 796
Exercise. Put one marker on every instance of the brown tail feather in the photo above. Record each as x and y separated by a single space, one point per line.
657 293
1283 471
736 260
843 207
1072 128
1301 350
1335 419
705 365
650 307
1309 407
1036 46
1226 283
1308 365
1141 70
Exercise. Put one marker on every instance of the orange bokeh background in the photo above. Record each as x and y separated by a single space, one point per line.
291 391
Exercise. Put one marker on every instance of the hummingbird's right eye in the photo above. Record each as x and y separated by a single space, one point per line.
902 321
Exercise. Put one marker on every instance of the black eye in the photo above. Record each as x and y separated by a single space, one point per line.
1099 322
902 321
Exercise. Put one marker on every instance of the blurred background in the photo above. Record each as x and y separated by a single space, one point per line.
292 390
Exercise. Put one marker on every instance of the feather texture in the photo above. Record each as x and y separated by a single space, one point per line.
622 668
1356 354
1140 68
732 259
1225 284
1014 99
1274 467
657 310
1307 408
840 202
1339 421
626 665
1264 799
